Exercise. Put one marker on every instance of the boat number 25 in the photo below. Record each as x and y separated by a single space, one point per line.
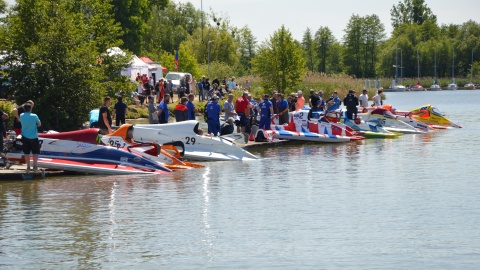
190 140
116 143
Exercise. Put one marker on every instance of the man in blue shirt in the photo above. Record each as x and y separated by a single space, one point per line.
282 107
192 110
201 87
266 110
162 110
30 122
334 102
213 121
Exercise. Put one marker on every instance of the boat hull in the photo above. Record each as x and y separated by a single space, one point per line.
197 147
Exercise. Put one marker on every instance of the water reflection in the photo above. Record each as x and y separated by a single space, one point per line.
208 236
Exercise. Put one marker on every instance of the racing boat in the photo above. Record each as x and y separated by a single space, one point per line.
389 122
370 130
197 146
169 154
74 151
391 112
357 127
430 115
302 129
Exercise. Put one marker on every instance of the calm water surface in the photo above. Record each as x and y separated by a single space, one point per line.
406 203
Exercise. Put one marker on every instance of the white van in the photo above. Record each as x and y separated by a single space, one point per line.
176 77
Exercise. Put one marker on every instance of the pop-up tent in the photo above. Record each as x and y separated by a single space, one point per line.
136 66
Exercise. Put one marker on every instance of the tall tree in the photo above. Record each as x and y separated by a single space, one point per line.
58 45
324 40
133 16
353 42
280 61
3 6
169 26
247 47
223 47
373 35
362 38
411 11
308 48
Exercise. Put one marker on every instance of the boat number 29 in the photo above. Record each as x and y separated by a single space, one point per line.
190 140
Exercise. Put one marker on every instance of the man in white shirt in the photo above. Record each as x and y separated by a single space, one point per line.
363 98
377 99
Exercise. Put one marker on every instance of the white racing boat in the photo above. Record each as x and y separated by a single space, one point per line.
302 129
197 147
69 151
169 155
389 121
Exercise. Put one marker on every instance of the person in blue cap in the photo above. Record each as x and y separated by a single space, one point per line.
213 121
266 111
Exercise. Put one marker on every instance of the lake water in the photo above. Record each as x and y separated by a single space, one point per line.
406 203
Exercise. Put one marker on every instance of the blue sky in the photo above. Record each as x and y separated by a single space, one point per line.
266 16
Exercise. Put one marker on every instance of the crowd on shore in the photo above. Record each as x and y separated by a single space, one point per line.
243 113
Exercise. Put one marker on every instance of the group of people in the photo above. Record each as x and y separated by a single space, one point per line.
148 87
25 123
219 88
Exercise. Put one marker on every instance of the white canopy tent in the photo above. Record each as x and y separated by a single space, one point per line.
136 66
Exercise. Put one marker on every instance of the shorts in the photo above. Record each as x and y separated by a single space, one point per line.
243 122
30 145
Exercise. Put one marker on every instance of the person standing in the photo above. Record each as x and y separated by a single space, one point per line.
273 100
192 110
181 111
292 102
377 99
160 91
248 85
282 107
30 123
17 111
169 88
105 118
3 117
231 84
151 111
241 105
229 108
201 96
351 102
266 111
300 101
313 99
363 99
213 121
119 111
162 110
320 101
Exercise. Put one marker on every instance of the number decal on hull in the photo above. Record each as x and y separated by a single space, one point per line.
190 140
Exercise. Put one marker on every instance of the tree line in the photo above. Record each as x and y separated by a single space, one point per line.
57 50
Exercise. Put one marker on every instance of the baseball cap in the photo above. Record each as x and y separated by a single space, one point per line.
299 92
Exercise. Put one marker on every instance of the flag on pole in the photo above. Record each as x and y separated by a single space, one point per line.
176 61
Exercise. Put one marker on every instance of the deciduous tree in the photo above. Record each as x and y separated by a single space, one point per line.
280 62
57 47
